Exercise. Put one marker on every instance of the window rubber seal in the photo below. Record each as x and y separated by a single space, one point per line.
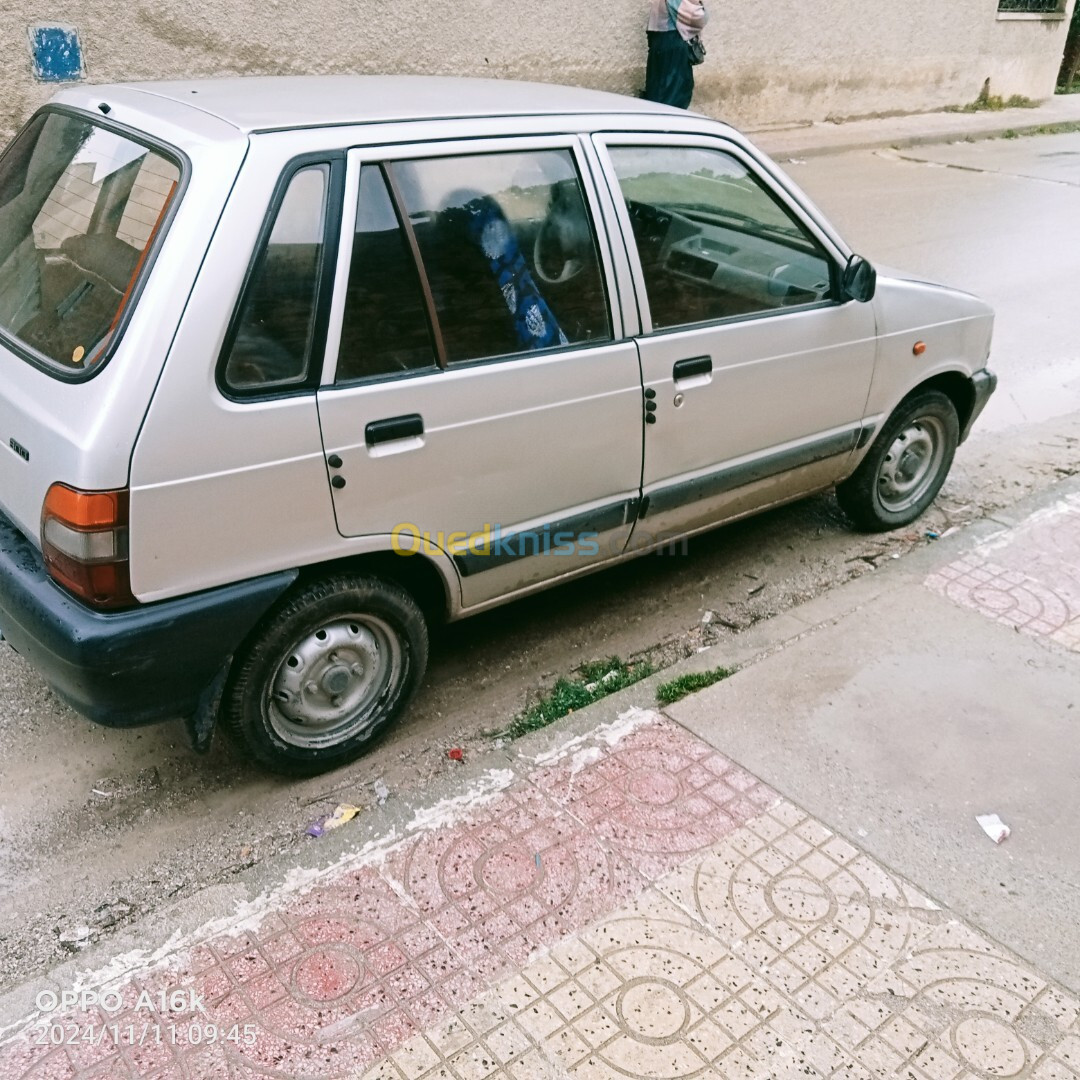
335 194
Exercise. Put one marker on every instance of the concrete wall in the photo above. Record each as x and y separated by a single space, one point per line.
770 61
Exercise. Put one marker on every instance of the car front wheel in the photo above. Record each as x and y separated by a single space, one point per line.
906 465
336 663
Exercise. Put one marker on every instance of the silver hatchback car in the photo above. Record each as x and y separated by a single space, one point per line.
291 367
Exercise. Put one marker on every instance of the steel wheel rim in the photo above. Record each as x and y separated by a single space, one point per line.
331 685
911 464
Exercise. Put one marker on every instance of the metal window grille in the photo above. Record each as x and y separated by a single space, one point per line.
1040 7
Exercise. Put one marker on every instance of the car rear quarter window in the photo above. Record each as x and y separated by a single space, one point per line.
271 346
81 206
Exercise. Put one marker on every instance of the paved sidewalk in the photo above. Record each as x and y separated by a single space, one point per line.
923 696
739 889
632 906
824 137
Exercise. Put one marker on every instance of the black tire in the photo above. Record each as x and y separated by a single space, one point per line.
329 669
905 467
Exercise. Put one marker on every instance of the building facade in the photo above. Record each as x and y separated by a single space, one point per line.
770 61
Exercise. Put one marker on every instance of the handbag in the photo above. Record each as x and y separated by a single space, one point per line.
696 48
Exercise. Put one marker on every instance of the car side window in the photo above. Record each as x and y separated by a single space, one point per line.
385 326
509 251
713 243
272 343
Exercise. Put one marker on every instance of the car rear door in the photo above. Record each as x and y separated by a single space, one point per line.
480 398
757 373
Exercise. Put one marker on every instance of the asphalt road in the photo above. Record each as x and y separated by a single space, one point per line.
98 826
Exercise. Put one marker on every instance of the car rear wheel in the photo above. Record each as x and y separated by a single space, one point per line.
906 465
333 665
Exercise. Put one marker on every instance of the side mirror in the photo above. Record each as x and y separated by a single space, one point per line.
859 280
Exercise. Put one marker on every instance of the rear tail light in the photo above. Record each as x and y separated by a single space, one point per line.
84 541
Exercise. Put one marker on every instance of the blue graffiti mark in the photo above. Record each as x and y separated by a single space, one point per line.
56 53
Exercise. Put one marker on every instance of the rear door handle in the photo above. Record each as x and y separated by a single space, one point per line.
688 369
396 427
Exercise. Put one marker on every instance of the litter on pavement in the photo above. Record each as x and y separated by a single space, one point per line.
993 826
79 936
341 816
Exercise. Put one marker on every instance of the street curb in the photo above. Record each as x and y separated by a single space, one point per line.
785 144
780 151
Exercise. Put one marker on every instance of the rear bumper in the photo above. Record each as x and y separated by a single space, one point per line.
984 383
125 668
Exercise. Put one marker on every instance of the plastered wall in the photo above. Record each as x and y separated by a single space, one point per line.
770 61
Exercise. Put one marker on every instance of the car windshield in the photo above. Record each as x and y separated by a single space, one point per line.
80 206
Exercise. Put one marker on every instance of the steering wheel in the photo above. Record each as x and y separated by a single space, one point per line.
570 266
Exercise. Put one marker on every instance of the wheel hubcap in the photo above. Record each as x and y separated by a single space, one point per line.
912 464
332 682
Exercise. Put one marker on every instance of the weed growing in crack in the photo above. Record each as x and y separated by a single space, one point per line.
670 692
993 103
594 681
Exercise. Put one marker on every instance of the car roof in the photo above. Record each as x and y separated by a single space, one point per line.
273 103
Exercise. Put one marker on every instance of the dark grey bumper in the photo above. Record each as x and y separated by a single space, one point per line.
132 667
984 383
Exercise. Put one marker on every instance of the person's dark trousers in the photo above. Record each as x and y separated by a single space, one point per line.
669 75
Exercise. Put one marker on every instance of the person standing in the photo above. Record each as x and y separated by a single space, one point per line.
673 26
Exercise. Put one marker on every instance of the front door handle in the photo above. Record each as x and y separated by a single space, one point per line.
396 427
688 369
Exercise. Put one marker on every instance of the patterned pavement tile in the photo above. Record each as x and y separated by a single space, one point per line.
512 880
959 1006
814 915
642 910
1029 580
723 971
658 798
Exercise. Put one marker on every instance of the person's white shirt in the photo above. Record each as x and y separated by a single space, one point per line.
687 16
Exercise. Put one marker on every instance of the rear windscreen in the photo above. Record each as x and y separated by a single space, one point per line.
80 207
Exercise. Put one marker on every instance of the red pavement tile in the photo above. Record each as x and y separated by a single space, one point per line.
1029 579
1006 596
660 796
511 880
345 973
110 1070
38 1062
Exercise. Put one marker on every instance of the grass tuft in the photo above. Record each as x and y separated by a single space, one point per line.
994 104
670 692
595 680
1063 127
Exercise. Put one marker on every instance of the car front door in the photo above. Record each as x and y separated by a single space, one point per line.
480 399
756 372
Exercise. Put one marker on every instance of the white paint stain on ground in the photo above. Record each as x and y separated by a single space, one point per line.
174 954
1066 507
608 734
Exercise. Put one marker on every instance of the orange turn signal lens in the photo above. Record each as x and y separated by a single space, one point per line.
920 348
86 509
84 543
